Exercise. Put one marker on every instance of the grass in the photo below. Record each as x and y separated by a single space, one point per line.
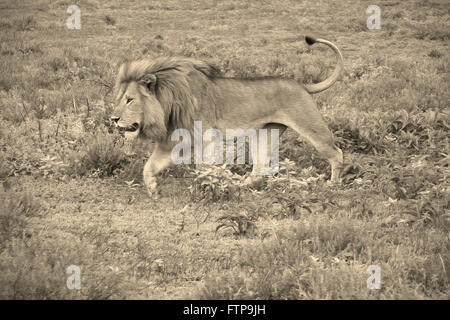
72 190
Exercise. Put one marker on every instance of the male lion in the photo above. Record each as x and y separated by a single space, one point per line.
156 97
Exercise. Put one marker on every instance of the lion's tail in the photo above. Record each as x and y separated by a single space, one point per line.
321 86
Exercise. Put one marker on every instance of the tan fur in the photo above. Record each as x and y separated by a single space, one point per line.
159 96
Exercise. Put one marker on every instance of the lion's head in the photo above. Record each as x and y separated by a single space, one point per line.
155 97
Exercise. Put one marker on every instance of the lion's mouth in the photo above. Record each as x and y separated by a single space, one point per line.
131 128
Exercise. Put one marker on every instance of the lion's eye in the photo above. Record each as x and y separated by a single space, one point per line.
129 100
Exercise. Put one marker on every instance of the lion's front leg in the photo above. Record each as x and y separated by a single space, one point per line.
158 161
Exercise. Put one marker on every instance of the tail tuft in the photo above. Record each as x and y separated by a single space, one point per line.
310 40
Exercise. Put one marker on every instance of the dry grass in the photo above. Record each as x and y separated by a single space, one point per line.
73 190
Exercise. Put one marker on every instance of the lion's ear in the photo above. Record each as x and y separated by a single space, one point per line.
149 81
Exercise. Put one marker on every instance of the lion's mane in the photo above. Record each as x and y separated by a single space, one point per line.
180 84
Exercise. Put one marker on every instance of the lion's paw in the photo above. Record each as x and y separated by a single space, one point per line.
154 194
150 184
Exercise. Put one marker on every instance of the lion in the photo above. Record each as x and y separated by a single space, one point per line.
156 97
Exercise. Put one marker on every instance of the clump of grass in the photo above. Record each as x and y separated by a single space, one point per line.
434 54
242 224
36 269
6 168
325 259
293 266
156 46
26 23
355 25
432 32
15 209
110 20
312 70
102 156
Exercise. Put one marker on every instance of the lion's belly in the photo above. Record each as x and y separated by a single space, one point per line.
251 104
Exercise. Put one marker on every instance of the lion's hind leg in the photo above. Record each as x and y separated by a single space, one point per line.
324 144
311 126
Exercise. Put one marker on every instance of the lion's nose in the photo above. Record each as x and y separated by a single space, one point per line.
115 119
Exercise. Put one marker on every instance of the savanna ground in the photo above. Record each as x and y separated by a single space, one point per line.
72 187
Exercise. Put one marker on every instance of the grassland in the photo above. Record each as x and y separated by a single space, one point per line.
72 188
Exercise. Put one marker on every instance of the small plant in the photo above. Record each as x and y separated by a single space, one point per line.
215 184
26 23
241 223
6 168
110 20
102 156
14 211
434 54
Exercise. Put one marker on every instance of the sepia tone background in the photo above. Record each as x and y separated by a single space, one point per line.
72 189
